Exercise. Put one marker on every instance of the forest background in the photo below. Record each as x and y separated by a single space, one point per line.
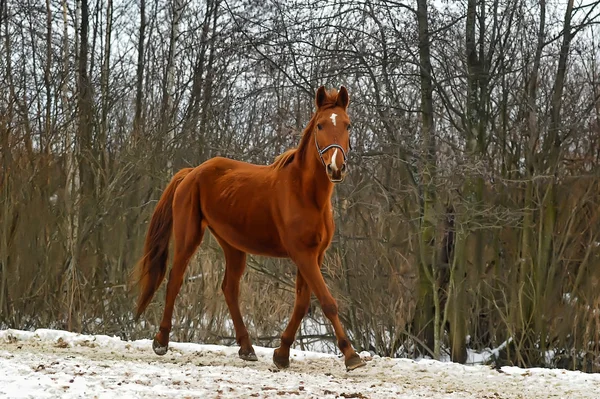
470 218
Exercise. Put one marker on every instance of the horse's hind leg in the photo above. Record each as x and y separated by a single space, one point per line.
281 355
235 264
188 230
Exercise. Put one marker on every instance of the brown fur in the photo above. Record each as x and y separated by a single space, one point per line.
279 210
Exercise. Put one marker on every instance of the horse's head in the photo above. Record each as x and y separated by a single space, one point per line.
332 137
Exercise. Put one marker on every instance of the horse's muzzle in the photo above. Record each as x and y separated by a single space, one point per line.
337 175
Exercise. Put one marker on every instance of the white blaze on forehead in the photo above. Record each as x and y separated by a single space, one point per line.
333 116
333 164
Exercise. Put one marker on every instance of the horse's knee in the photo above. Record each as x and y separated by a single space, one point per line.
229 289
224 285
330 309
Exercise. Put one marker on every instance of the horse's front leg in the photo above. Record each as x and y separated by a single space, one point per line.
281 356
308 267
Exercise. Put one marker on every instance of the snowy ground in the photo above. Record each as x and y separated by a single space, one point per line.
51 364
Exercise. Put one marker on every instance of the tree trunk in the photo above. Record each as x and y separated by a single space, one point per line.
137 119
552 146
208 84
472 192
5 178
45 142
193 111
428 282
166 109
85 179
523 305
104 88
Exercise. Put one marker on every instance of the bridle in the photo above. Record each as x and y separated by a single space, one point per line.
330 146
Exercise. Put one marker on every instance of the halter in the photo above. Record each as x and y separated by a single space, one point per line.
322 151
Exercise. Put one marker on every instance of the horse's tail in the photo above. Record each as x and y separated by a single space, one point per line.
152 267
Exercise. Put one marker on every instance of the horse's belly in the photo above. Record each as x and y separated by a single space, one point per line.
255 235
253 242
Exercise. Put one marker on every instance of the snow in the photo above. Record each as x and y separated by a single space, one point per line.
52 363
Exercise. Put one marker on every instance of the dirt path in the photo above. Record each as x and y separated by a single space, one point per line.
53 364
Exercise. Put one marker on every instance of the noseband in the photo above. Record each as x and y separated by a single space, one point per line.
330 146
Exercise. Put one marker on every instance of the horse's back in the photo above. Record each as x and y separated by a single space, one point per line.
229 162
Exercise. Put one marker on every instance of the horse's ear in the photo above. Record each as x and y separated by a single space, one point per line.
343 98
320 97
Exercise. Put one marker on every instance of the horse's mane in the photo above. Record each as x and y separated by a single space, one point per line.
283 159
288 156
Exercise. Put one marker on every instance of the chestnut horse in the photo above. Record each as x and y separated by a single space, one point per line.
278 210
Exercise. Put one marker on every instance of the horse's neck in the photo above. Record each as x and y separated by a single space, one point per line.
316 186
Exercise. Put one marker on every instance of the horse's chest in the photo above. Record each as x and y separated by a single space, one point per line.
317 233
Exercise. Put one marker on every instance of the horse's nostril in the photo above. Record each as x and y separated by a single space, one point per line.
329 170
343 167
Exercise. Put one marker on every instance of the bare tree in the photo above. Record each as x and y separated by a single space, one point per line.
469 219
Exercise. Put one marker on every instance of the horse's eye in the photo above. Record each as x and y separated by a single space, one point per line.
349 127
319 126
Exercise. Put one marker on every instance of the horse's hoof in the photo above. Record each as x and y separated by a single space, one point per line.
248 355
282 362
354 362
158 348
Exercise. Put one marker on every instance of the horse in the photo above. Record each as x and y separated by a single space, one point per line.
278 210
